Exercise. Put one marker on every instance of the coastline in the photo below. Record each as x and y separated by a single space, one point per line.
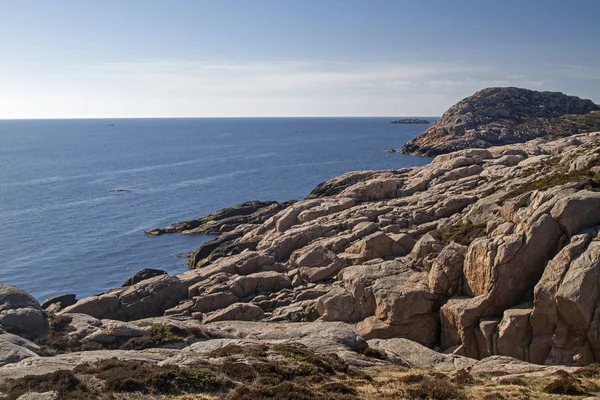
330 277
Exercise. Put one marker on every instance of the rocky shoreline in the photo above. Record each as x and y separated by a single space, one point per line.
473 275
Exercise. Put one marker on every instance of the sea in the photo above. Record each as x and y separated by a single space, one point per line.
77 195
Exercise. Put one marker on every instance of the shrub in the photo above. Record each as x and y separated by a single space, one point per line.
435 389
138 376
463 378
514 380
564 383
374 353
64 382
258 350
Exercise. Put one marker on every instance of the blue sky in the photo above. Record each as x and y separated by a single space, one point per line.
222 58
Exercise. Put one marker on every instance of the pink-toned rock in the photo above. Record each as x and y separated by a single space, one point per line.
238 312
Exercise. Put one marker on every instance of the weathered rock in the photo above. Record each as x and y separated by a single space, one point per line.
59 302
376 245
142 275
149 298
238 312
103 305
426 250
337 185
110 331
82 325
259 282
578 211
11 353
226 219
375 189
417 355
20 313
393 293
316 263
514 333
214 301
446 274
544 317
487 337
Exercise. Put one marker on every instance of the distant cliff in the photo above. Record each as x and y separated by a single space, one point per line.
497 116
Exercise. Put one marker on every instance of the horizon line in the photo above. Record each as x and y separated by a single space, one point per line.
235 117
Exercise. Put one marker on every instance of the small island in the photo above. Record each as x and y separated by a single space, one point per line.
410 121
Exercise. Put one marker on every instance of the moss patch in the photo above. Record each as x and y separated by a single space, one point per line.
160 335
462 233
590 181
58 341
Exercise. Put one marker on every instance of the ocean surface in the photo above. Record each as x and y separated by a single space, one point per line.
64 231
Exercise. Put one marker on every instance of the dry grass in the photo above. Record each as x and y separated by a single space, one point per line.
292 372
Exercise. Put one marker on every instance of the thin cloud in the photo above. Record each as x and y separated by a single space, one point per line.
279 87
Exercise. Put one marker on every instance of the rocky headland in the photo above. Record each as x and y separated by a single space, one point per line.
410 121
505 115
476 276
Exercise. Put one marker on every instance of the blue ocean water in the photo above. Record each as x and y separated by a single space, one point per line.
64 231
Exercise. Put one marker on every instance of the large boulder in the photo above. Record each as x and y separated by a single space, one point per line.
238 312
446 274
396 296
148 298
56 303
260 282
316 263
374 189
578 211
20 313
514 333
376 245
11 353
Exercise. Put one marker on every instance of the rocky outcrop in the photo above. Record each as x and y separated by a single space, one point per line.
57 303
499 116
484 254
149 298
224 220
486 261
142 275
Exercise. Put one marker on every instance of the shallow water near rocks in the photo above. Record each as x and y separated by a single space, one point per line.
76 195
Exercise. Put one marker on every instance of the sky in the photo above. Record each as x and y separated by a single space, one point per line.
284 58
